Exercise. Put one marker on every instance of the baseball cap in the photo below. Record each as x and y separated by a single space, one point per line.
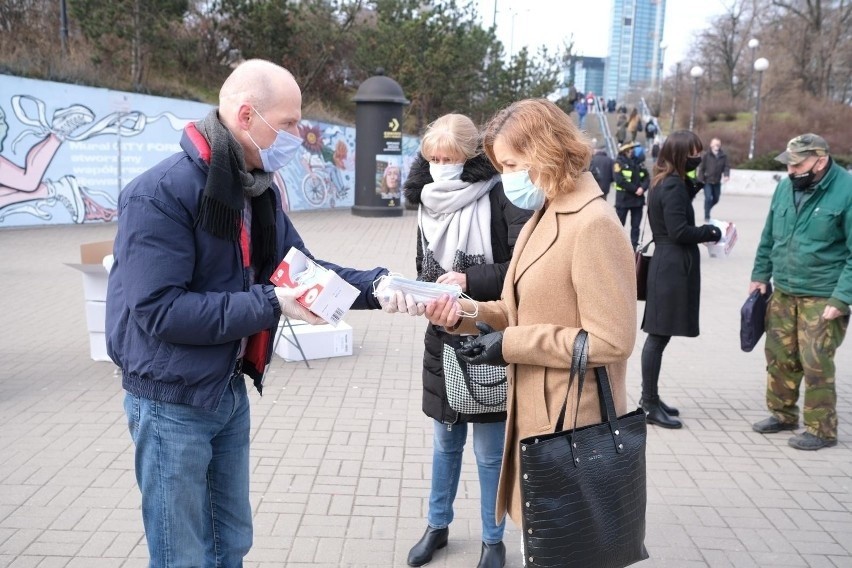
802 147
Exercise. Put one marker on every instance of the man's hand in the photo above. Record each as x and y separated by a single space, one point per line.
640 192
291 307
757 286
487 349
830 313
402 303
444 311
725 179
459 278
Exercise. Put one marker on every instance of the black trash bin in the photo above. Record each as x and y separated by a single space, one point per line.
378 147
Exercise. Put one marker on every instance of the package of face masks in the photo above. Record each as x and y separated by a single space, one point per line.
422 292
328 295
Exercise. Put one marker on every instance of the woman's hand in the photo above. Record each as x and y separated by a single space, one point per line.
444 311
459 278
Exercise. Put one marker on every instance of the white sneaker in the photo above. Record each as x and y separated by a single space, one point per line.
66 190
67 120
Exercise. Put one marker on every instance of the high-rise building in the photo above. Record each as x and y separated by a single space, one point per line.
634 60
589 75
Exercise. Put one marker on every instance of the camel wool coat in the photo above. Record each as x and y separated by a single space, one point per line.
572 268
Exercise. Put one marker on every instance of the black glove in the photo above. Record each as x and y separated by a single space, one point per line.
486 349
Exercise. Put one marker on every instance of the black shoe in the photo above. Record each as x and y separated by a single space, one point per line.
432 540
493 556
670 410
654 414
772 425
807 441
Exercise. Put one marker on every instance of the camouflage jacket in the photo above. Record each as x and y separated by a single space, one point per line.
808 252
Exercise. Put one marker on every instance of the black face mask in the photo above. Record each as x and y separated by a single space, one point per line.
803 181
692 163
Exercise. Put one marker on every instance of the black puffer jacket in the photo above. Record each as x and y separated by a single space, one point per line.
484 281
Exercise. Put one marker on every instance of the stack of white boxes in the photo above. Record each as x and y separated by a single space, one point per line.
95 278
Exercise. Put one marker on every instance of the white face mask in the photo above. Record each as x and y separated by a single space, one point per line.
445 172
280 152
521 191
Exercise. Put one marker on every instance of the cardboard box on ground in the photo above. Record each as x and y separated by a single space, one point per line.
317 341
95 278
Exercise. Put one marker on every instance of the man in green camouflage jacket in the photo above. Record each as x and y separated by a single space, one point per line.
806 249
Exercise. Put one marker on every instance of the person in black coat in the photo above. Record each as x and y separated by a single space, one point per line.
674 275
601 168
631 182
466 233
713 171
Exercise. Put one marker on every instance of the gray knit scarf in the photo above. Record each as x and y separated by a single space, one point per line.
226 189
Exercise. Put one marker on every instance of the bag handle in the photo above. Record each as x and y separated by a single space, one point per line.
578 366
579 361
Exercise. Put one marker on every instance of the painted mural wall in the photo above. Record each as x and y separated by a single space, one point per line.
67 150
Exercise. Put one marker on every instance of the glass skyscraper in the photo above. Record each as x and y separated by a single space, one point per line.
634 46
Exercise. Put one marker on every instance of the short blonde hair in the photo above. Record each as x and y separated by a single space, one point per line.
547 137
454 133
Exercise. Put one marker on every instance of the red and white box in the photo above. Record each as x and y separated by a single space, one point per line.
727 242
329 296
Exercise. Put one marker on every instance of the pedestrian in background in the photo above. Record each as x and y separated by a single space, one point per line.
190 311
631 182
806 250
582 109
601 168
674 275
634 124
713 171
572 269
465 236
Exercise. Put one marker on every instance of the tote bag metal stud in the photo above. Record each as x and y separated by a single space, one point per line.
583 489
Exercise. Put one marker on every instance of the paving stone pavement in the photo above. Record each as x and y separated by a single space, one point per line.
341 453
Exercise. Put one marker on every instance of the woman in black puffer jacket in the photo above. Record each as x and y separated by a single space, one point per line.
466 232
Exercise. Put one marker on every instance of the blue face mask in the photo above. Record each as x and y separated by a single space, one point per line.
280 152
521 191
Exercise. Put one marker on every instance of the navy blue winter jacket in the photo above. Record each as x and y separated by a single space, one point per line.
179 301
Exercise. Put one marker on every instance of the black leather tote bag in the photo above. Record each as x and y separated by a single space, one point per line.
583 489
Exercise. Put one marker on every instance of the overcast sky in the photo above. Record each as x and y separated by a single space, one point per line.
549 22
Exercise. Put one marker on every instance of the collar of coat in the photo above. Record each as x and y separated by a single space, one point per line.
585 190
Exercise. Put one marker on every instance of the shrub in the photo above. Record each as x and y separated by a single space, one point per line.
764 162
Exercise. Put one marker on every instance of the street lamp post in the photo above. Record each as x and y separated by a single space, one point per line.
696 73
760 66
663 47
674 95
753 44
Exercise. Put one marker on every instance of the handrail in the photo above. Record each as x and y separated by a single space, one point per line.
609 139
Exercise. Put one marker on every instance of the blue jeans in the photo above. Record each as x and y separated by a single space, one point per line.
192 467
712 191
448 443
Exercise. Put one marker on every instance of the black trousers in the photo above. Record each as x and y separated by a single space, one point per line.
652 361
635 221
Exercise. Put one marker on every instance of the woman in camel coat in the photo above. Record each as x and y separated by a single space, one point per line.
572 268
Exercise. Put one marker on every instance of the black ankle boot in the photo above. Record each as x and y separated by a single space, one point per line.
432 540
654 414
670 410
493 556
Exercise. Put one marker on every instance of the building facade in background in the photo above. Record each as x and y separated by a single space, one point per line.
634 60
589 75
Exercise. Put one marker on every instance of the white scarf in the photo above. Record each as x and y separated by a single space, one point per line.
455 222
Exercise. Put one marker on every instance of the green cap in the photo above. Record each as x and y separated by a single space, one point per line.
802 147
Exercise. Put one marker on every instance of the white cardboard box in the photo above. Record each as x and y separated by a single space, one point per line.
317 341
95 316
727 242
95 278
329 296
97 346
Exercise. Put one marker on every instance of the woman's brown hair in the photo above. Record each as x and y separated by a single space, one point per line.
680 145
541 132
